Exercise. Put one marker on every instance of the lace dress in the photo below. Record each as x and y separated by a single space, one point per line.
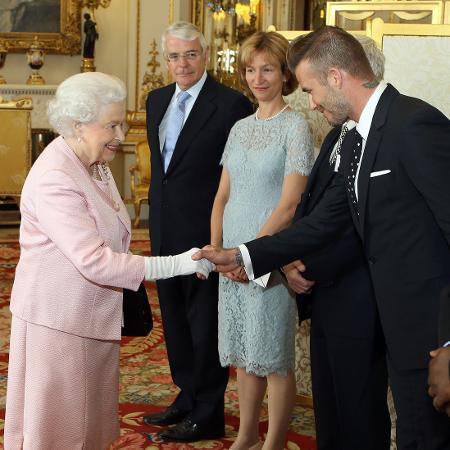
257 325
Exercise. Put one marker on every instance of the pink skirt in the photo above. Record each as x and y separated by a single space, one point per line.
62 390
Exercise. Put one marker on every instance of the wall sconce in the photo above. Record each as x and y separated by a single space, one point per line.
242 14
232 22
92 5
243 9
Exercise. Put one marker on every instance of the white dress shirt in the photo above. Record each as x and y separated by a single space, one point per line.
194 91
365 122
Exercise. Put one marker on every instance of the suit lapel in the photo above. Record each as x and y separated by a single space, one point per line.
371 150
160 108
318 172
202 110
322 169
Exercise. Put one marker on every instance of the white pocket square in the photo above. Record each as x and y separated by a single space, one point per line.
380 172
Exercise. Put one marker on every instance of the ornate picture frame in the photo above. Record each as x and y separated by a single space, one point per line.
66 42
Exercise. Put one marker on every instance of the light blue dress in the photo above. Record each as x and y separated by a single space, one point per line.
256 325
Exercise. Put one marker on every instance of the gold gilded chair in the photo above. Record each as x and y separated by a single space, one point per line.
15 145
140 179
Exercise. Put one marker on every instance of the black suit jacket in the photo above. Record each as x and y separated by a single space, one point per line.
181 199
343 289
342 254
404 222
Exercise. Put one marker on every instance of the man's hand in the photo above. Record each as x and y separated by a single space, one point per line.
296 281
224 259
439 379
239 275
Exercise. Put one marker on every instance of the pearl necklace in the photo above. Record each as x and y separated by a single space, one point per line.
271 117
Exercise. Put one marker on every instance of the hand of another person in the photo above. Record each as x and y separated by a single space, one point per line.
296 281
161 267
297 264
187 266
200 275
239 275
439 379
224 259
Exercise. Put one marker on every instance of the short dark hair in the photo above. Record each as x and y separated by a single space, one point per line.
275 47
330 47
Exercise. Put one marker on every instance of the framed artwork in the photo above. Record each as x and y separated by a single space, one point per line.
56 24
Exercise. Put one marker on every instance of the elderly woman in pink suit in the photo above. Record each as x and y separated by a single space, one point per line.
66 301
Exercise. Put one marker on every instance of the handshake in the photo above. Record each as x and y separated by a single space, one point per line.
193 261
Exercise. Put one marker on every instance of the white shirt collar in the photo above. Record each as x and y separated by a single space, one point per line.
193 90
365 121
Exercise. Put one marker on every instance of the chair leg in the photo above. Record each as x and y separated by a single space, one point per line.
137 213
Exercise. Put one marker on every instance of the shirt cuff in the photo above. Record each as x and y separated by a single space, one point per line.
447 344
247 262
263 279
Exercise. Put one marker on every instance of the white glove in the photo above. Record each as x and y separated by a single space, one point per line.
161 267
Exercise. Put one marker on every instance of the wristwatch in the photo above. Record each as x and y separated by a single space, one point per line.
238 258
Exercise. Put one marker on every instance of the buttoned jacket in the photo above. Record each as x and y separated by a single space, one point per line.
74 241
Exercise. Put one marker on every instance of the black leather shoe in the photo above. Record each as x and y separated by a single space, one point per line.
170 416
189 431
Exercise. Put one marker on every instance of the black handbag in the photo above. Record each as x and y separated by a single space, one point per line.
137 315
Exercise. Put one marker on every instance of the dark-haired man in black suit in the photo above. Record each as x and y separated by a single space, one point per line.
348 365
393 183
350 407
187 127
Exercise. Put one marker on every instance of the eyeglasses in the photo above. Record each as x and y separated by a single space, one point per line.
114 126
190 56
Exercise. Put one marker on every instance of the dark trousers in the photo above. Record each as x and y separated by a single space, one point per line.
419 425
349 385
189 316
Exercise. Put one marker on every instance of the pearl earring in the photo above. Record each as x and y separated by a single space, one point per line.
78 139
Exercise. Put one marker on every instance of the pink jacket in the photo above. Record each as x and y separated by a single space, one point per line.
73 263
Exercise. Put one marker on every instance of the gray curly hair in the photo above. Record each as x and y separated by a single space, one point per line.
81 97
374 55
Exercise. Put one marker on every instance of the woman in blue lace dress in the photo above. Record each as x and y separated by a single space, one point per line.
266 162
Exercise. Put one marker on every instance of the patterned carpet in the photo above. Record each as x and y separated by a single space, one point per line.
145 384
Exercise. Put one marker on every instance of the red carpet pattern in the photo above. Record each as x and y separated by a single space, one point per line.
145 382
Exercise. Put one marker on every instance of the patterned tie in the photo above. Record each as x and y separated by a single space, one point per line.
337 150
174 126
356 156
